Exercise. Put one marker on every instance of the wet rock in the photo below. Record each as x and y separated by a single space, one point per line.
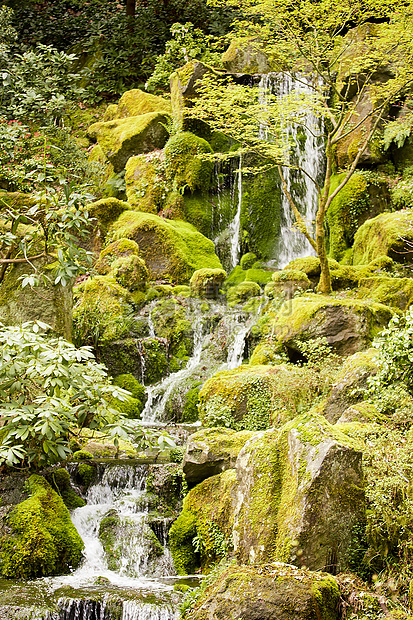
211 451
271 591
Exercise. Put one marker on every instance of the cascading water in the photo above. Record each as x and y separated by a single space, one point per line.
307 155
235 226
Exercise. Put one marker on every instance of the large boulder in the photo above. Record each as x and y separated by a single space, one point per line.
348 325
212 451
246 55
47 302
124 137
389 234
170 248
135 102
350 384
272 591
299 496
183 85
258 396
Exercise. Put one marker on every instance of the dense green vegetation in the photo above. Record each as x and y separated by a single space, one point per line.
132 145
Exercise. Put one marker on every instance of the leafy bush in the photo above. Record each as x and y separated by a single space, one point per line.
49 389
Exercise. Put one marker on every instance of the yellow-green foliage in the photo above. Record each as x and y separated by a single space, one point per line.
243 291
184 166
43 541
146 185
101 311
122 138
169 247
255 397
207 282
135 102
345 211
117 249
389 234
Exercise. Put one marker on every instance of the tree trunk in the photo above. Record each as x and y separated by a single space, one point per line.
130 8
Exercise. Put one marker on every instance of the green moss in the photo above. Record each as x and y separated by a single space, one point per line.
135 102
102 310
181 291
248 260
81 455
190 408
171 324
345 212
118 249
255 397
184 166
310 265
122 138
207 282
394 292
169 247
236 276
181 535
198 211
107 211
128 382
43 540
260 276
130 272
267 353
241 292
146 185
291 275
388 234
60 481
131 408
156 360
86 474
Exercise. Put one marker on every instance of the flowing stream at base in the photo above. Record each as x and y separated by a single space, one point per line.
139 583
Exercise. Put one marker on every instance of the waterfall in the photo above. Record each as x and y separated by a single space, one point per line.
307 154
235 225
157 396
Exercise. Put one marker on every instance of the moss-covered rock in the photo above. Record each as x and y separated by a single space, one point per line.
146 184
184 164
210 522
389 234
166 483
255 397
207 282
394 292
310 265
212 451
246 55
299 496
121 138
248 260
286 283
42 540
121 248
271 591
107 211
128 382
47 302
348 325
102 311
358 201
170 248
183 86
135 102
242 292
130 272
59 479
351 383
